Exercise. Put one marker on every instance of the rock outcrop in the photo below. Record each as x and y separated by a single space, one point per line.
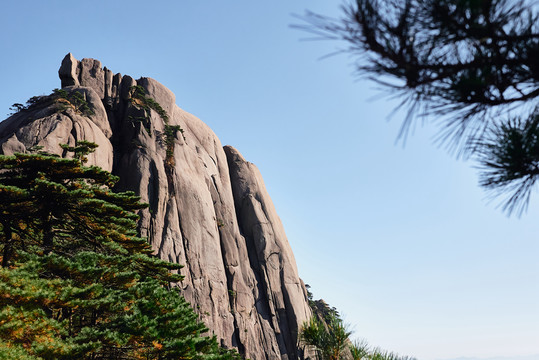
208 207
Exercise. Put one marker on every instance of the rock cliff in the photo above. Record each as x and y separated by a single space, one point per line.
208 207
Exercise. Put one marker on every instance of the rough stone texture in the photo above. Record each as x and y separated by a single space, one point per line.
48 127
270 250
209 209
69 71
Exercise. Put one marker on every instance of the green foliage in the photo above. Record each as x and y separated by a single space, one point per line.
72 99
380 354
142 120
34 100
80 150
309 296
64 99
329 339
170 135
509 160
322 310
139 99
10 351
359 350
76 281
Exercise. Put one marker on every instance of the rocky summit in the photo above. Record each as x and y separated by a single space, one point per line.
208 207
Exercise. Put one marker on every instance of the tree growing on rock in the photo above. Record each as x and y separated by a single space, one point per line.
471 66
76 281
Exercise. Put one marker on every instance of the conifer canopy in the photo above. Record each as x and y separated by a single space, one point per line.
76 281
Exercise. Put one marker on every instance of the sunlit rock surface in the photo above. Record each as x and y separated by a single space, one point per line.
208 207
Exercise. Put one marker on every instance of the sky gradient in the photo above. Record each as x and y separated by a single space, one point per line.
400 239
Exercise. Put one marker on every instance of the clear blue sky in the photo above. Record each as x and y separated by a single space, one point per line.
400 239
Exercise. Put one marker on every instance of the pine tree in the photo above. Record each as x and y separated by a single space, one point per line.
76 280
468 65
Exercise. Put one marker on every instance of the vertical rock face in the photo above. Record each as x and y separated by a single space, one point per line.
208 207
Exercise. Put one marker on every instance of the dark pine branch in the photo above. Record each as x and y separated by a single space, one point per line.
466 65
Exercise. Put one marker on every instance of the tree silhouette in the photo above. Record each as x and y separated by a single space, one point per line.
470 66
